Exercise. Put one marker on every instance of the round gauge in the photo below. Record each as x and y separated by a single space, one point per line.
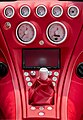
41 11
57 11
9 12
26 32
73 11
56 32
25 11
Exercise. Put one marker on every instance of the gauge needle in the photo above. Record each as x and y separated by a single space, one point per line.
57 35
23 35
25 32
41 12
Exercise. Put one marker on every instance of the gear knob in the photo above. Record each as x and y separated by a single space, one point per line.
43 73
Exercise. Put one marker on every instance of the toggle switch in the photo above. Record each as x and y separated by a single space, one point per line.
43 72
33 73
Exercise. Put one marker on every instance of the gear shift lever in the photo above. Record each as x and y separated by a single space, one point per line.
42 91
43 73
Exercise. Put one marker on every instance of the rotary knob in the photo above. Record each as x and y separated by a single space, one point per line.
80 70
3 69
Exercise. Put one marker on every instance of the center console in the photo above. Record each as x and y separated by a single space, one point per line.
41 69
40 59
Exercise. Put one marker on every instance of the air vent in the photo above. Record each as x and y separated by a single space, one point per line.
3 69
80 70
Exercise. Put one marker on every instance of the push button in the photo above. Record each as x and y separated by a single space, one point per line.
49 108
26 74
41 108
56 73
27 78
54 84
33 108
29 84
54 78
41 113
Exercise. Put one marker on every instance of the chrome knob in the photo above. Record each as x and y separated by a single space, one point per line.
43 72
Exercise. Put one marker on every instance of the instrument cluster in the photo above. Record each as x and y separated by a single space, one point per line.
41 11
56 31
37 34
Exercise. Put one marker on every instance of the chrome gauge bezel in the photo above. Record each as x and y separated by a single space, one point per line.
34 28
65 29
68 11
12 10
44 8
28 9
53 10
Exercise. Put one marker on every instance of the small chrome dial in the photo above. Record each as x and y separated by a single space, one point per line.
41 11
9 12
56 32
73 11
57 11
25 11
26 32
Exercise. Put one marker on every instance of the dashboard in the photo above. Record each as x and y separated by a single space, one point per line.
42 36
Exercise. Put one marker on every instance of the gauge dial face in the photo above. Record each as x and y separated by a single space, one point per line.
25 11
9 12
41 11
73 11
26 32
56 32
57 11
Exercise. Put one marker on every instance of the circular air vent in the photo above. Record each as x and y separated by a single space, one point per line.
80 70
3 69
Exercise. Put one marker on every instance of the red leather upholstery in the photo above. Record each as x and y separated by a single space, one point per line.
41 93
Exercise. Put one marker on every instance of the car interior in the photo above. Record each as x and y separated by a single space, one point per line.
41 60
